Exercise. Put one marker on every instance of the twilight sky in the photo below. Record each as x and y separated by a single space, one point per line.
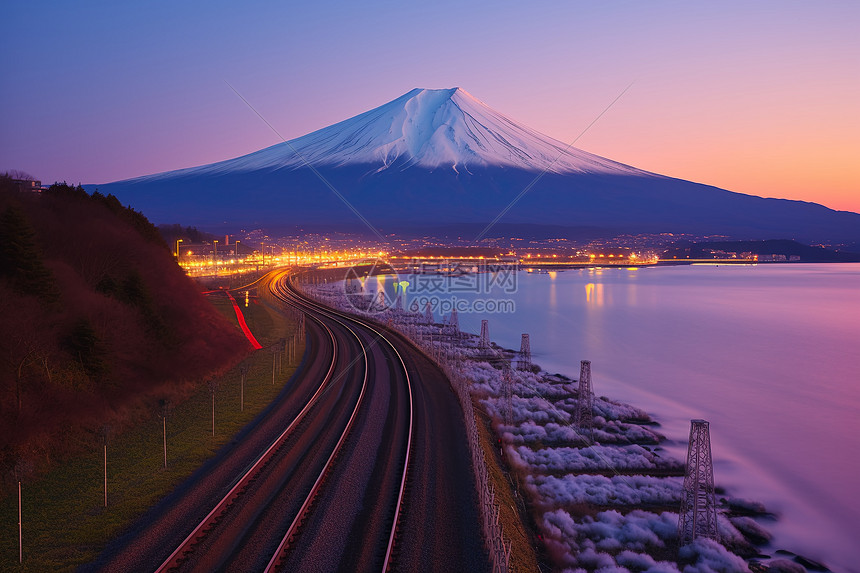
755 97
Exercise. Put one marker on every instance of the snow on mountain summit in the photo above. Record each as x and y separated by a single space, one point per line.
431 128
443 160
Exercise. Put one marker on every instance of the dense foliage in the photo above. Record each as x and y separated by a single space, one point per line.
174 232
98 324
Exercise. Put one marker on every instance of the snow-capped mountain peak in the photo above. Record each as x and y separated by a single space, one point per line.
430 128
443 159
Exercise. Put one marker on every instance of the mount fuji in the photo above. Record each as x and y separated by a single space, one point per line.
442 159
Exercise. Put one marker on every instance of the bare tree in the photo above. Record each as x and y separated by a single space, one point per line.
18 174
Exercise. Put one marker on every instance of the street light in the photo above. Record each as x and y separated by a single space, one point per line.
177 248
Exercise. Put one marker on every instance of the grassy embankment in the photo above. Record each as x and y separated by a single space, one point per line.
65 522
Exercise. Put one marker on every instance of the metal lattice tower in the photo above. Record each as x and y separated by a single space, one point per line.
454 323
507 396
484 341
584 404
698 517
381 301
428 313
525 361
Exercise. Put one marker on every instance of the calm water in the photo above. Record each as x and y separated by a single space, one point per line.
769 354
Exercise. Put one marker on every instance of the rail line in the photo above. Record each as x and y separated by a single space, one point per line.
275 561
281 287
175 558
284 289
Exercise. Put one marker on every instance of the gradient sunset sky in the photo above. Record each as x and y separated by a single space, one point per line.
755 97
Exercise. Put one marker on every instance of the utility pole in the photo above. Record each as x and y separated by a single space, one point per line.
165 405
105 430
20 520
213 388
282 349
243 371
274 363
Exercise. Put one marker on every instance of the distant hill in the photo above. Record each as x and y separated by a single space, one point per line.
98 320
436 159
790 250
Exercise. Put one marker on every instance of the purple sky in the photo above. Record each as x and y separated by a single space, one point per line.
759 98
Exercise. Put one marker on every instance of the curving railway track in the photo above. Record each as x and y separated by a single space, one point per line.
349 471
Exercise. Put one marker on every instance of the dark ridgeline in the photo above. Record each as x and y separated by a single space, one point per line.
98 321
787 249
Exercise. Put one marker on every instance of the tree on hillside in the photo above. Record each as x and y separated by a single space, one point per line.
26 354
188 234
20 258
135 218
65 190
85 346
125 323
18 174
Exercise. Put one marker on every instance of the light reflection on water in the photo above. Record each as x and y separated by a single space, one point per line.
769 354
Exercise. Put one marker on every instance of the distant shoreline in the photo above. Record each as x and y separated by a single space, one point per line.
671 263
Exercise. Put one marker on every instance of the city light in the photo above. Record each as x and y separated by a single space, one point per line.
209 260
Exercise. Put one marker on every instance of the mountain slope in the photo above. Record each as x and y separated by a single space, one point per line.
446 128
432 158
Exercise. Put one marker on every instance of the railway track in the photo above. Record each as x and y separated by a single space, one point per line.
284 290
240 527
318 481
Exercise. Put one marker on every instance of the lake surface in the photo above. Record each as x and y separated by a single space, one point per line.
768 354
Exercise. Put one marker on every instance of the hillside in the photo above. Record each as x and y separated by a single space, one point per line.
100 325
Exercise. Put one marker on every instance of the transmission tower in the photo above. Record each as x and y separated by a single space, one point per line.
428 313
584 406
381 302
454 323
507 396
484 342
525 361
698 516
